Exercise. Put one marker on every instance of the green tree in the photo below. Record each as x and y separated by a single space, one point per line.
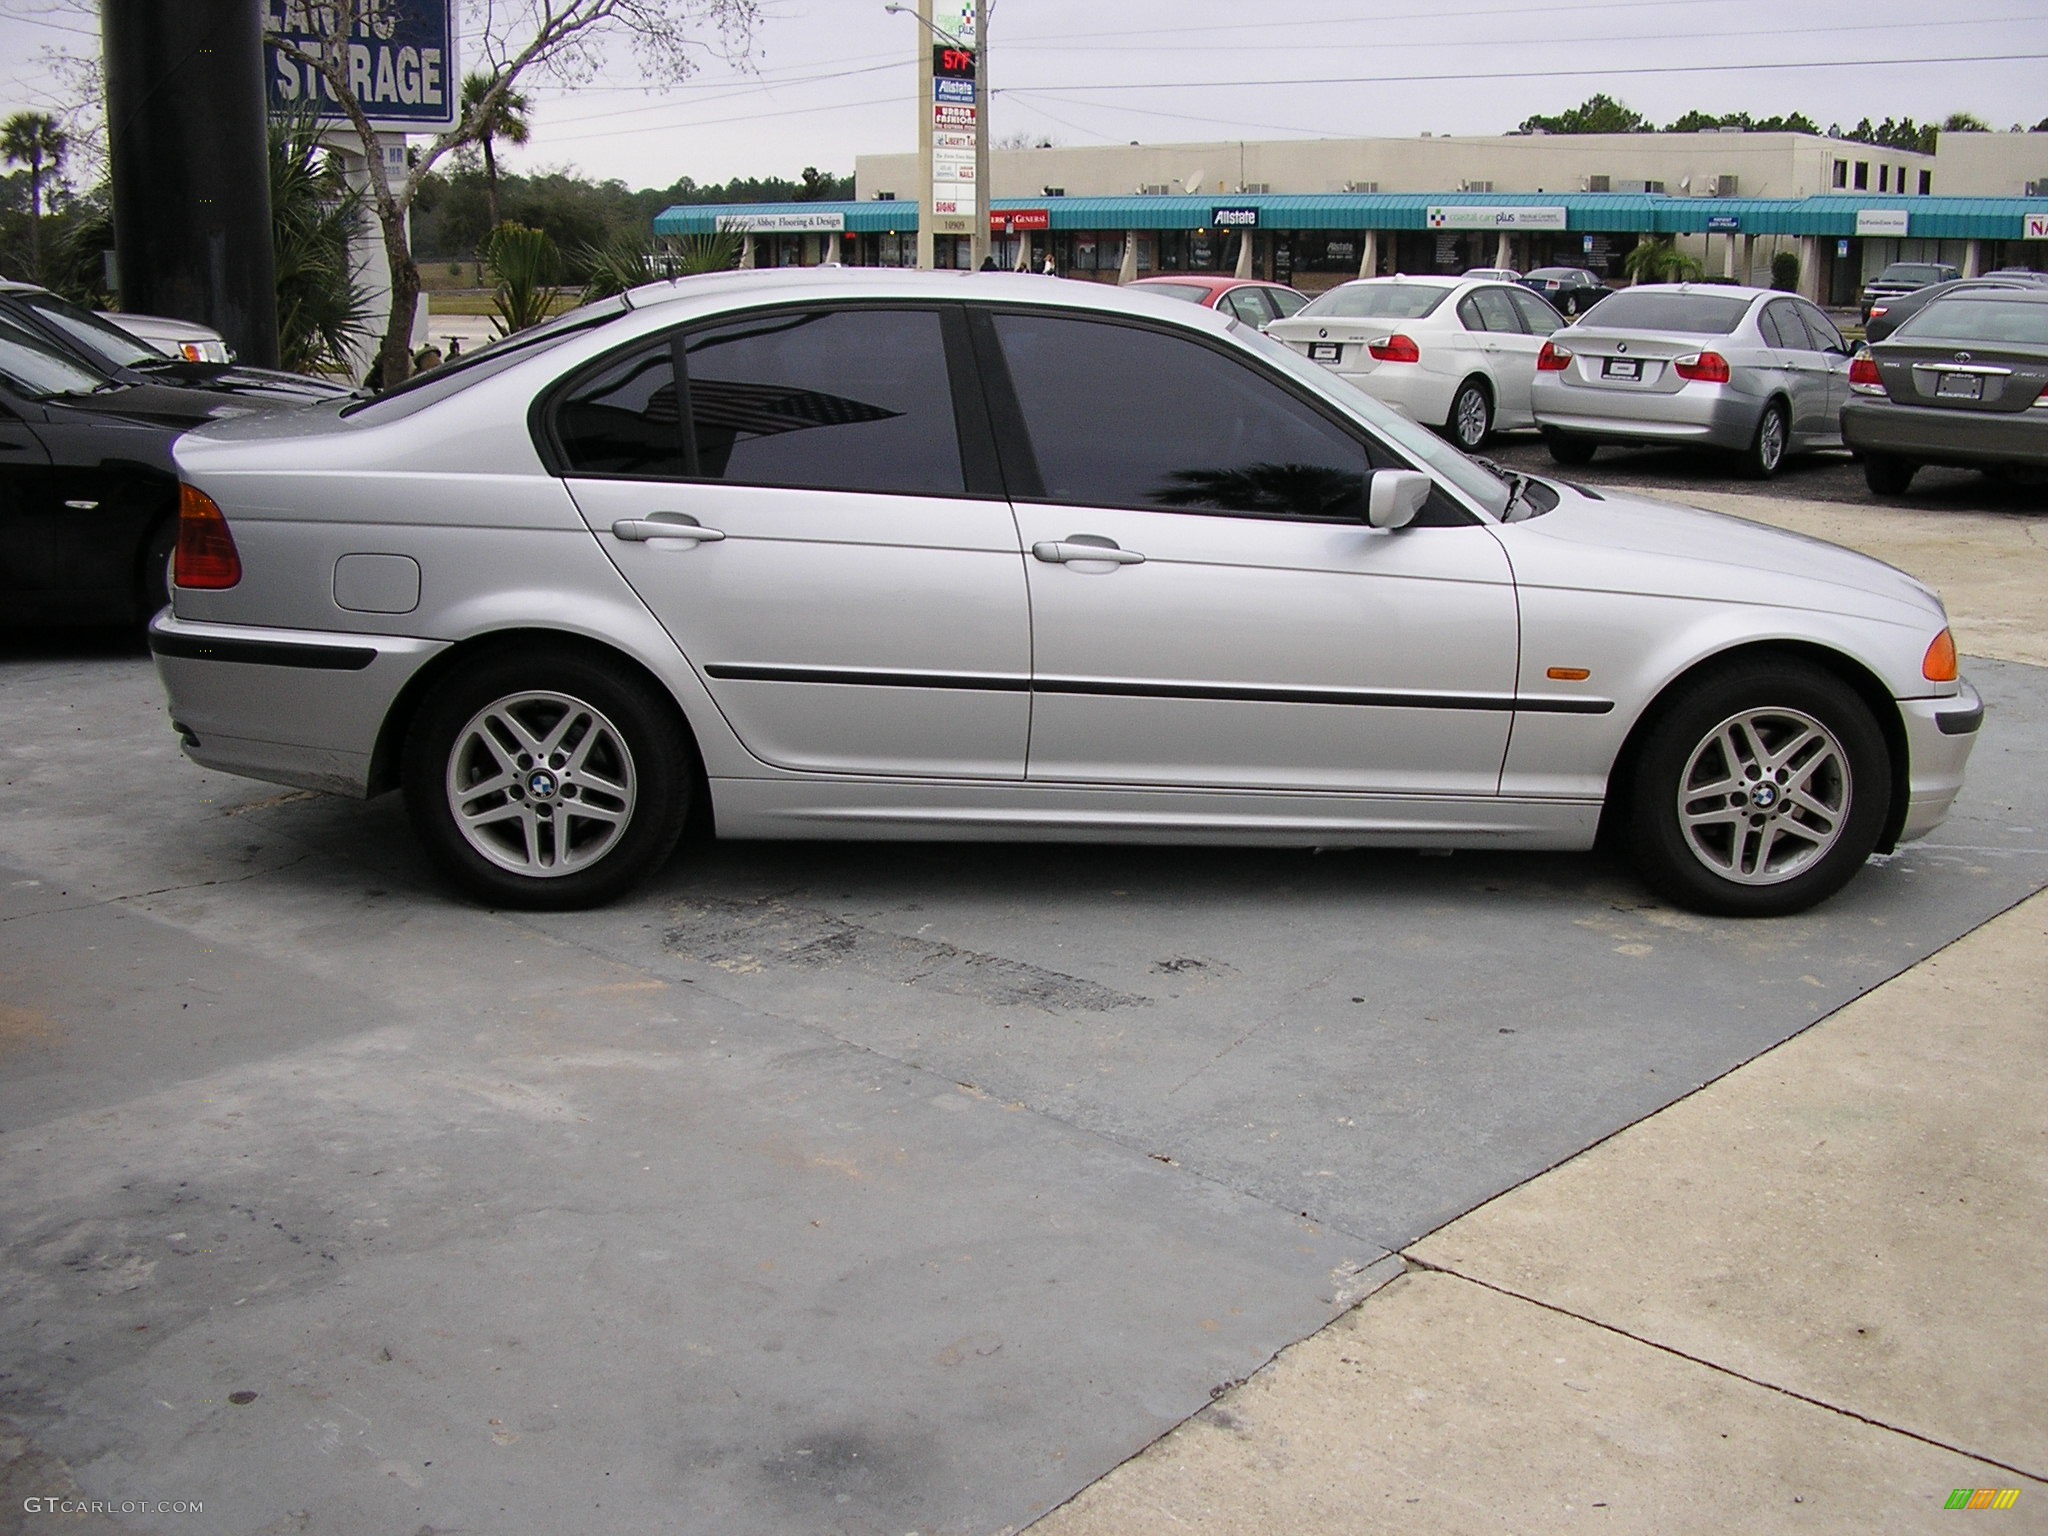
1657 260
573 37
1596 114
525 264
1964 122
323 312
504 119
33 139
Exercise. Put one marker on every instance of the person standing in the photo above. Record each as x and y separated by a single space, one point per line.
1049 270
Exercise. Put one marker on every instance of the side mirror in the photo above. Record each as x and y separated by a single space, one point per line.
1395 496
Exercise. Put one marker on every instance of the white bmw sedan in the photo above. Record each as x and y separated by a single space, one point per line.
1455 353
863 554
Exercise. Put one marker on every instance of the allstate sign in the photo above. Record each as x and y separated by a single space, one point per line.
402 64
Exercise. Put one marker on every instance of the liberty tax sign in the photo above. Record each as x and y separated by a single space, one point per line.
402 65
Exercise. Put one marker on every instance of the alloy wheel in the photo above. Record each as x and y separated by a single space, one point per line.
1765 796
541 784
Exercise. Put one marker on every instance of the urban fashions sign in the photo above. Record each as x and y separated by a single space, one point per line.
402 64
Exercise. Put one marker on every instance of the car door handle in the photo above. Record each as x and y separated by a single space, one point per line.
665 525
1085 546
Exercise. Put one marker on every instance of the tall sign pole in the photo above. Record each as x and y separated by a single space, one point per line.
191 168
928 108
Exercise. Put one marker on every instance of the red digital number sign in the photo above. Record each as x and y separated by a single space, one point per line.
952 63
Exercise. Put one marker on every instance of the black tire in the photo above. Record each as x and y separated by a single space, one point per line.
154 583
1814 819
1765 455
617 796
1573 451
1887 475
1470 423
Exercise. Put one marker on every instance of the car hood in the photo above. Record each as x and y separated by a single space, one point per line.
158 404
262 386
1626 544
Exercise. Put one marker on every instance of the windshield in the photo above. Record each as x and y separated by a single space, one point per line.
1188 291
1667 309
1374 301
109 343
1912 272
1558 274
1980 318
1417 443
423 389
39 371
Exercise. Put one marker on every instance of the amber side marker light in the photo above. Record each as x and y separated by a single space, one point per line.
1940 665
1568 674
207 558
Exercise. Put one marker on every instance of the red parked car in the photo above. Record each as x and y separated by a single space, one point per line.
1248 300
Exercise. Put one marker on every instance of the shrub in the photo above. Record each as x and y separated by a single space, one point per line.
1785 272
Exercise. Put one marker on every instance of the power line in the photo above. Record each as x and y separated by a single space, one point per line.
1374 19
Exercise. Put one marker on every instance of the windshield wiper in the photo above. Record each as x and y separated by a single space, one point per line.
1516 482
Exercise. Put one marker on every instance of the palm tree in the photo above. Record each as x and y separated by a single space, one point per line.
506 121
33 139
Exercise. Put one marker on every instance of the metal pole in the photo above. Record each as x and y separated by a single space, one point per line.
984 193
191 166
927 217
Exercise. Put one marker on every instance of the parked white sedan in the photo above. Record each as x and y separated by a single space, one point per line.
1454 353
851 553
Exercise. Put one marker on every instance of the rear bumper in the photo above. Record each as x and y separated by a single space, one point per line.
1410 388
1710 415
1940 734
291 706
1930 434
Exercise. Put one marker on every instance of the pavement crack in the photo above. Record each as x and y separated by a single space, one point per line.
1725 1370
162 890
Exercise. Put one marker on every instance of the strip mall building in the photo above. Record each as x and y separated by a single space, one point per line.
1315 212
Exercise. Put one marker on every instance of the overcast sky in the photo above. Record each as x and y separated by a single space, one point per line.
829 79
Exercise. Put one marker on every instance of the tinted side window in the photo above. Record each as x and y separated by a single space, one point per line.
1495 311
1771 324
1285 302
624 419
1821 329
846 399
1119 416
1538 318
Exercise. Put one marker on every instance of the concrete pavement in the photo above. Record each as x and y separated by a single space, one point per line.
1805 1298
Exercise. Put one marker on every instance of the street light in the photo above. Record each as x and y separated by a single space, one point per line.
978 236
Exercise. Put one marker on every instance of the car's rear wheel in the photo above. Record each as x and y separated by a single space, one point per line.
1766 451
1570 450
546 780
1471 420
1888 475
1761 790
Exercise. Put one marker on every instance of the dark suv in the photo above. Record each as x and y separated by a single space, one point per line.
1905 277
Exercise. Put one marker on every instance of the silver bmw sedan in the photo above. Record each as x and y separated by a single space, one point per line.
873 554
1758 373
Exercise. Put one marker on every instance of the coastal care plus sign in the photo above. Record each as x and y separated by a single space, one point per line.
398 55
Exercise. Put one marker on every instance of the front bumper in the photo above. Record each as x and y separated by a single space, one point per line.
1932 434
292 706
1709 415
1940 734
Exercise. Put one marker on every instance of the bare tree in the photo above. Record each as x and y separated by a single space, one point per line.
567 39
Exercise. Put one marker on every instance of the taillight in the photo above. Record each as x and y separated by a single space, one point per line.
1864 377
1879 309
207 558
1940 665
1702 368
1552 359
1395 349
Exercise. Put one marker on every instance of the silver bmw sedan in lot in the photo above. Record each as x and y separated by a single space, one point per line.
860 554
1757 373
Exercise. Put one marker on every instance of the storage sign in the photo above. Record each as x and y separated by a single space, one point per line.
1497 218
402 65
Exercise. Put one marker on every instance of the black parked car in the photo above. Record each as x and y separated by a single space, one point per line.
1963 382
104 346
1571 290
1888 315
88 493
1904 277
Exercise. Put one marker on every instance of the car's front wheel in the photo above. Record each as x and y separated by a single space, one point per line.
1570 450
546 780
1471 422
1887 475
1761 790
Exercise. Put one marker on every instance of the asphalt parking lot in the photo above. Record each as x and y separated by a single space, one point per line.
817 1188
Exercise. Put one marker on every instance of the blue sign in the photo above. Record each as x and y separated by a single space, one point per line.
402 63
956 92
1724 224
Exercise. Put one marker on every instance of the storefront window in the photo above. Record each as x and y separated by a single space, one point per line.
1327 253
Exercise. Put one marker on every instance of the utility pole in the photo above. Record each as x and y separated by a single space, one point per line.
186 133
952 93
